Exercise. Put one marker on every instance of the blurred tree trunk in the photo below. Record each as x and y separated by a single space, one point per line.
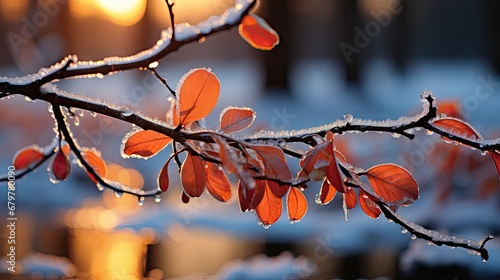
278 61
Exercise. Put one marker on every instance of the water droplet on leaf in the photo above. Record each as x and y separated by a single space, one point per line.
127 111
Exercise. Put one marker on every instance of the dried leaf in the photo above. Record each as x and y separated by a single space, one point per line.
234 119
327 192
217 184
258 33
296 205
27 156
269 209
393 184
368 205
61 166
193 176
144 143
316 160
198 94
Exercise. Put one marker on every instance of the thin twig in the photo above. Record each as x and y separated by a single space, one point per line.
163 81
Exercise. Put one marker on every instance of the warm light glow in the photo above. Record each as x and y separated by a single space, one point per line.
107 220
122 12
126 176
13 10
190 11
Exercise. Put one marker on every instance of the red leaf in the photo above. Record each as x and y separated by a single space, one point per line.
333 173
144 143
258 33
93 158
275 165
296 204
269 209
495 156
327 192
278 190
217 184
193 177
27 156
198 94
235 119
456 127
185 198
393 184
369 206
163 180
61 166
349 198
248 198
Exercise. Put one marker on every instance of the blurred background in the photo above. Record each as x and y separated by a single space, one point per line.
368 58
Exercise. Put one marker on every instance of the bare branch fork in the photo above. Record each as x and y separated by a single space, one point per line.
41 86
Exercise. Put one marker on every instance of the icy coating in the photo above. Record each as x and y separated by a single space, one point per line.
347 119
183 32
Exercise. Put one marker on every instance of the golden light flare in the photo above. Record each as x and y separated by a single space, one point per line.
13 10
190 11
121 12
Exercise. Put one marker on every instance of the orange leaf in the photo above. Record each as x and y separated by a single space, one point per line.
274 160
327 192
198 94
393 184
193 177
369 206
144 143
27 156
230 162
317 158
94 159
349 198
249 199
217 184
258 33
495 156
456 127
235 119
163 180
61 166
269 209
296 204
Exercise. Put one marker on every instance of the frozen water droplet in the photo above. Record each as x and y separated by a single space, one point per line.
390 221
76 121
483 153
220 167
266 226
99 75
127 111
28 99
395 135
93 114
80 112
430 243
413 237
202 40
153 65
141 200
483 260
100 187
429 132
118 194
404 231
170 98
348 118
452 247
157 198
